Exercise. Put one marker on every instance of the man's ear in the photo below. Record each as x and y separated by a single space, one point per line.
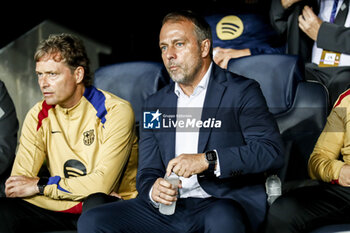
205 47
79 74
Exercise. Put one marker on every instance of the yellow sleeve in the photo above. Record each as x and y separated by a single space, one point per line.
324 162
109 161
31 151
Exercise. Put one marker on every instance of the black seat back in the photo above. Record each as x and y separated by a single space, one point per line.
299 107
133 81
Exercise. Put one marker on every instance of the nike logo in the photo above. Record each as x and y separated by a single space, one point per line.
55 132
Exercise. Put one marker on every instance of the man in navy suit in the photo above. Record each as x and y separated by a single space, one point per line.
211 128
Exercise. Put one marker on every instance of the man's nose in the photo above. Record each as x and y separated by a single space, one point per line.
170 53
43 81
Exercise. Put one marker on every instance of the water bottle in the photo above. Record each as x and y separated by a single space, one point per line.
170 209
273 188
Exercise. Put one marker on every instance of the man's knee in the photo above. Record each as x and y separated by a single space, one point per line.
103 218
284 215
225 216
97 199
90 221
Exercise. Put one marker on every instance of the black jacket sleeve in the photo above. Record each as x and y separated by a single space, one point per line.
8 135
334 37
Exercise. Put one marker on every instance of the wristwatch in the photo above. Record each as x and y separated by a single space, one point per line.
211 158
42 184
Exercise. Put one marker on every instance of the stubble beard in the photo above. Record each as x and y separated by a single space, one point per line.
185 75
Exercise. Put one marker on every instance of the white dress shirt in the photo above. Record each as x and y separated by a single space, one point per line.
186 140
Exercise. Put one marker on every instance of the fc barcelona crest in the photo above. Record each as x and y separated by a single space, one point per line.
89 137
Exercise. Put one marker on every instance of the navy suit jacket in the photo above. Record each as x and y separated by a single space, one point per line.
248 142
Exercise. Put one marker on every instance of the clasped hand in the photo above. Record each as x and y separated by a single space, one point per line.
184 165
21 186
344 176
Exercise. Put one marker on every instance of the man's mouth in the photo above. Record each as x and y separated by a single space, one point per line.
46 94
173 67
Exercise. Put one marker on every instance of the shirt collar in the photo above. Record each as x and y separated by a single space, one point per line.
202 85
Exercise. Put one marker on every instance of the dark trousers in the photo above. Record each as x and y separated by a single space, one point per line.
307 208
17 215
336 79
139 216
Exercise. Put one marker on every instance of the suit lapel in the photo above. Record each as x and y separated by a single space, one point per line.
211 105
168 139
342 14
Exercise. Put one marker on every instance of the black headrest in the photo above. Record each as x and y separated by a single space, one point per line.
277 74
132 81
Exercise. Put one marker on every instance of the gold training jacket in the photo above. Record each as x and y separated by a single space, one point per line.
89 148
325 161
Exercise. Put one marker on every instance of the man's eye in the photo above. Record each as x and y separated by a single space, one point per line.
179 44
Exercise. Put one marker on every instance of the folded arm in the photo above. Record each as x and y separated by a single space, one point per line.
110 161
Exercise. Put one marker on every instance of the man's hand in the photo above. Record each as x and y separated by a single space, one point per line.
222 56
309 23
21 186
344 176
115 194
163 192
288 3
186 165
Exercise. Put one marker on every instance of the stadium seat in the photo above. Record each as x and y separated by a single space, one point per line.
133 81
299 107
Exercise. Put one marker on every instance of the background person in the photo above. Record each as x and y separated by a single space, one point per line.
318 32
242 28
